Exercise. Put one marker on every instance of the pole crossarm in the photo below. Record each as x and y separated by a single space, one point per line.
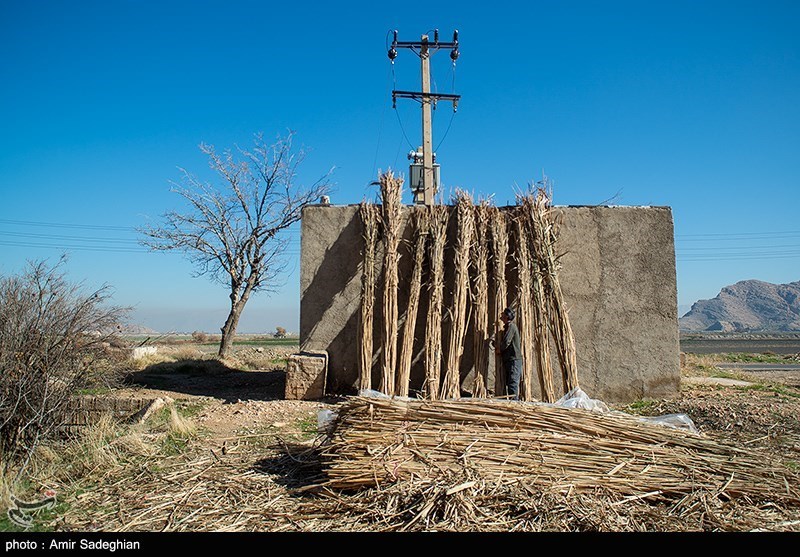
418 44
419 95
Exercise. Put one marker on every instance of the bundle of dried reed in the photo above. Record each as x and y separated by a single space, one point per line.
370 221
546 232
391 192
480 298
499 235
541 304
421 224
525 317
433 328
451 387
381 441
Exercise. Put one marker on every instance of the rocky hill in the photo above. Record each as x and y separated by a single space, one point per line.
749 305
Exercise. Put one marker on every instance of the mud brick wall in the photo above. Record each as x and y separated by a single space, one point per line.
618 278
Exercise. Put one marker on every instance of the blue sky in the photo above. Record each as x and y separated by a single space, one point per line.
688 104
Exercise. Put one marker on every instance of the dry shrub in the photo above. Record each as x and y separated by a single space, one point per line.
199 336
53 334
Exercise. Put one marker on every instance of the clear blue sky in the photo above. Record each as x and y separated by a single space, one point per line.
690 104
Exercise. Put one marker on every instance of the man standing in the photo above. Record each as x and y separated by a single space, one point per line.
511 353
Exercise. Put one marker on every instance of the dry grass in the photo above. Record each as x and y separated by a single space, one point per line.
167 354
180 425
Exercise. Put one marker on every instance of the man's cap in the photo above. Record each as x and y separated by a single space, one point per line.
508 312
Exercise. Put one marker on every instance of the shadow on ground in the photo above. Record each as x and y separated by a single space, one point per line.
294 465
211 378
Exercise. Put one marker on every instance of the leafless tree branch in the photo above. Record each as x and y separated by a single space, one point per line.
230 233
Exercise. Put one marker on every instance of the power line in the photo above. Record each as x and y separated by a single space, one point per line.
738 258
725 235
724 248
71 247
66 225
70 238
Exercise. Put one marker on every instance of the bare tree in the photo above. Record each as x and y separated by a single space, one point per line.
230 233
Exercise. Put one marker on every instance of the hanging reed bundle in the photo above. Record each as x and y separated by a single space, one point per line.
438 216
525 318
391 191
375 442
370 220
451 387
541 303
499 237
480 299
421 224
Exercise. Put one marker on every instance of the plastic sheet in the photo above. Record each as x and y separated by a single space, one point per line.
576 398
324 419
372 393
676 421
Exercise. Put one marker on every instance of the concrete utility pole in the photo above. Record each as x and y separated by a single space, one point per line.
428 101
427 131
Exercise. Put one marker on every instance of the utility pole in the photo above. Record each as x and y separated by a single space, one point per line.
424 49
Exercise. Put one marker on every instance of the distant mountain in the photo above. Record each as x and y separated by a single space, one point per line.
134 329
749 305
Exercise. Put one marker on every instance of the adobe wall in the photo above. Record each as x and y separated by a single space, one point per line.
618 279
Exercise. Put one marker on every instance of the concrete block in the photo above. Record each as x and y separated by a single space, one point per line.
306 375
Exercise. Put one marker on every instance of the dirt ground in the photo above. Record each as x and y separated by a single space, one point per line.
233 400
240 471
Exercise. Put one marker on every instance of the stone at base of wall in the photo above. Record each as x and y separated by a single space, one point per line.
305 375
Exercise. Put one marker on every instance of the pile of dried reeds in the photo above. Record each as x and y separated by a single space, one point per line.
375 442
459 503
433 328
370 221
391 216
421 221
451 386
499 229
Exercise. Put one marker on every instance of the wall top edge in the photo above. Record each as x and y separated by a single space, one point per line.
334 206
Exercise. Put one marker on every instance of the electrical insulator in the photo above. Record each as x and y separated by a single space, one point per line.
392 54
454 54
